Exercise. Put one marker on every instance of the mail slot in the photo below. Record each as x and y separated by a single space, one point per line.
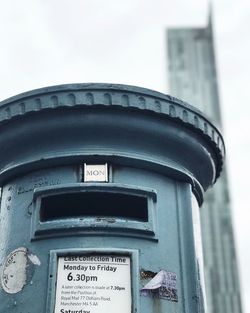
100 192
99 204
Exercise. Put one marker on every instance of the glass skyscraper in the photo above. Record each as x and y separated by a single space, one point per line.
193 78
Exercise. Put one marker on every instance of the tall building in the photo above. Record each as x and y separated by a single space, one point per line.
193 78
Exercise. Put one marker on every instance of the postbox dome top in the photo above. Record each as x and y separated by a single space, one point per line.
113 96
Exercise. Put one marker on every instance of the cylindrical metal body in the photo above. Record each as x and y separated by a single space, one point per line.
99 205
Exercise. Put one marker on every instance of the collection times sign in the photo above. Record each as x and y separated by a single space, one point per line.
93 284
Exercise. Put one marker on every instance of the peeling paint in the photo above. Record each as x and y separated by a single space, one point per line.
13 276
145 274
34 259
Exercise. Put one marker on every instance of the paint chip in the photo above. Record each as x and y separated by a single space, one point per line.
34 259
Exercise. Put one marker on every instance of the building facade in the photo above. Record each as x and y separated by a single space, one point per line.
193 78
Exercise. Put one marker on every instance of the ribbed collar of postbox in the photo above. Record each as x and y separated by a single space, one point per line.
123 96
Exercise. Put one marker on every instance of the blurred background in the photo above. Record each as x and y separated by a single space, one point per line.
50 42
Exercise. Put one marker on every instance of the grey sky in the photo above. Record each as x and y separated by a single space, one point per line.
49 42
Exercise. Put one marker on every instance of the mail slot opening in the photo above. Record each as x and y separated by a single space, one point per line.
94 204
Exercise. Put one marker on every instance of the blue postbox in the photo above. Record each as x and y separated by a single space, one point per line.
100 192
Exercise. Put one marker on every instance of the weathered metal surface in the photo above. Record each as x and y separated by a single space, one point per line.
159 150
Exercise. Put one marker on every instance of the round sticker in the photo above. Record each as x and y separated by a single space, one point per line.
13 276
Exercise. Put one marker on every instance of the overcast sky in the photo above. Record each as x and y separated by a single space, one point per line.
50 42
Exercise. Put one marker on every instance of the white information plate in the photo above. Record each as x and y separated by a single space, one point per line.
96 173
93 284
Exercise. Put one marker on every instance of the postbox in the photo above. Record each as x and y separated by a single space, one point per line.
100 192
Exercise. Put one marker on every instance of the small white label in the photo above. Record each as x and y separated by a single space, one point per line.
95 173
93 284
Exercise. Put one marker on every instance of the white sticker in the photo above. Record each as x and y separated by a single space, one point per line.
13 276
96 173
163 285
93 284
